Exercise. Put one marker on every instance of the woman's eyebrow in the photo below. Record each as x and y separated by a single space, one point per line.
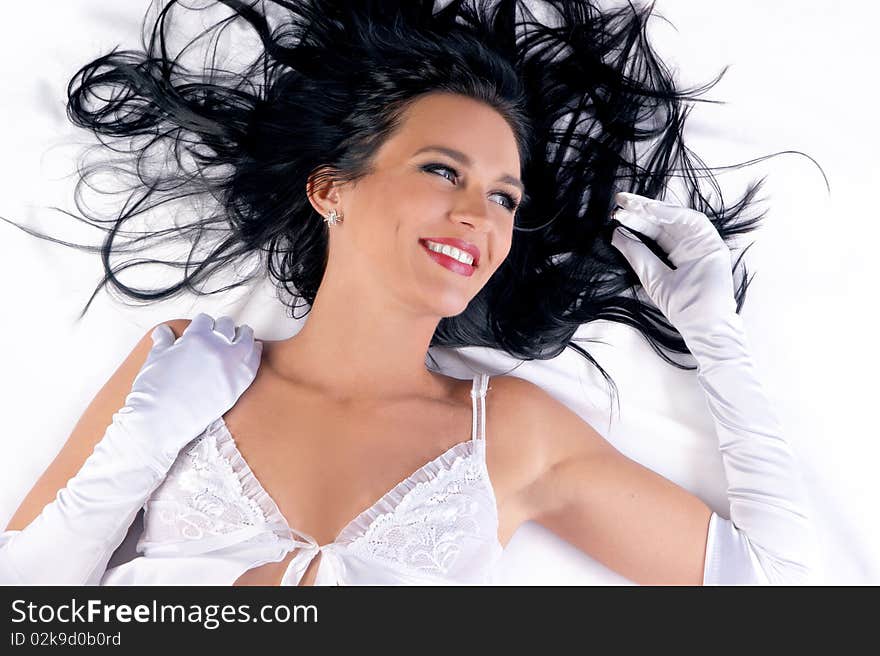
464 159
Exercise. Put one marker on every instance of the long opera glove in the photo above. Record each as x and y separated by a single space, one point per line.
182 387
769 538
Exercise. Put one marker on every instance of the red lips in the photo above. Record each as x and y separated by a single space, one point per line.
460 244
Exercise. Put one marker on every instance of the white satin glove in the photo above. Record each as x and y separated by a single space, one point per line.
183 386
769 538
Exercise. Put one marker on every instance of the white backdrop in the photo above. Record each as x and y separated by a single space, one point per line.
802 77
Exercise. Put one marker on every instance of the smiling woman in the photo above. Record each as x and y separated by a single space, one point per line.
420 176
413 202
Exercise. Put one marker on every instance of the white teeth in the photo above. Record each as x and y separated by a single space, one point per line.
451 251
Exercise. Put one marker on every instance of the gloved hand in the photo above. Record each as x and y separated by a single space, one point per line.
769 537
186 384
182 387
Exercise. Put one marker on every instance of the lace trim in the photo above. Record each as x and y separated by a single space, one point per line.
210 500
435 520
251 489
440 467
400 497
216 449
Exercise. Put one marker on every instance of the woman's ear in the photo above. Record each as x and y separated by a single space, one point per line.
323 191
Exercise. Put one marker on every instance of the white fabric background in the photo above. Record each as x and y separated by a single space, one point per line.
801 78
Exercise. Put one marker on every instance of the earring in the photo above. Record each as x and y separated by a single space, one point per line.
333 218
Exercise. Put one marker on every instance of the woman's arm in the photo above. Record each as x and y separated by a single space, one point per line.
636 521
649 529
78 512
183 385
88 430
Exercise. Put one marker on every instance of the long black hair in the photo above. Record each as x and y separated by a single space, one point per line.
593 109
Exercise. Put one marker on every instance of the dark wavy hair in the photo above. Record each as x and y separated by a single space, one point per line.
593 109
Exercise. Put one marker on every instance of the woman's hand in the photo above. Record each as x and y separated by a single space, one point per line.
187 383
698 293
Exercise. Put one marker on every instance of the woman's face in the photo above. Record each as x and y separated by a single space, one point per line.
466 190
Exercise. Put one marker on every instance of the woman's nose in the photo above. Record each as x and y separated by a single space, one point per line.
472 208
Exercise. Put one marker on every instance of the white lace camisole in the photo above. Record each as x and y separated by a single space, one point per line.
210 521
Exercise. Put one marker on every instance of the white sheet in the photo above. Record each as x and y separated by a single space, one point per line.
798 80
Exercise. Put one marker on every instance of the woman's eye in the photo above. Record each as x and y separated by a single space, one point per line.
510 202
439 167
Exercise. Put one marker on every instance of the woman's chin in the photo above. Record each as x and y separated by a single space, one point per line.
448 304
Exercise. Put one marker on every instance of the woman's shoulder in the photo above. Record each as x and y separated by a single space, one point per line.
513 409
532 429
512 386
515 398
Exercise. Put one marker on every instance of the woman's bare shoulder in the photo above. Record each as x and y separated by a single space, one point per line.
517 397
511 407
532 430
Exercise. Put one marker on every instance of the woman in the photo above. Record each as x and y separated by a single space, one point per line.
459 208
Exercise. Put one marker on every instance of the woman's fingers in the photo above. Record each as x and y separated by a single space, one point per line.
226 327
640 213
640 223
162 336
200 322
683 233
646 265
255 356
243 333
659 208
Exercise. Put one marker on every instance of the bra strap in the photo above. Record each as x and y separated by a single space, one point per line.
478 397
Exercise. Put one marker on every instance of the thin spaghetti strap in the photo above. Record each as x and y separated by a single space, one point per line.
478 398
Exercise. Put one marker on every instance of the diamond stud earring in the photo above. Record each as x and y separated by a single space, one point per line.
333 218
